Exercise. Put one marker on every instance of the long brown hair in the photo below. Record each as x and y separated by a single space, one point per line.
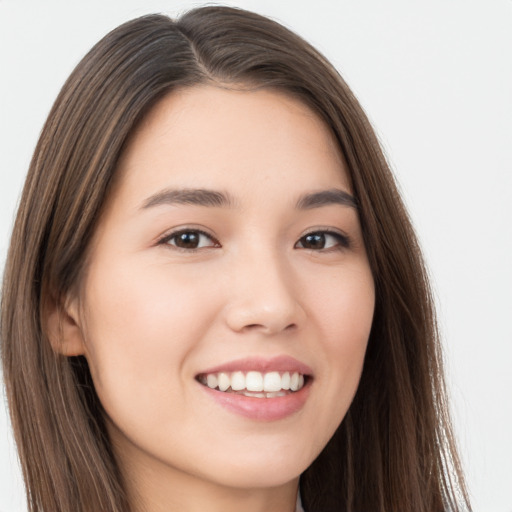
394 451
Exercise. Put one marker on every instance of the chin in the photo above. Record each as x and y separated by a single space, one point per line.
259 472
256 478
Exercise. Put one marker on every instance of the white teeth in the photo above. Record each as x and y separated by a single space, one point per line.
255 384
273 395
254 381
272 382
237 381
285 381
212 381
224 381
254 395
294 382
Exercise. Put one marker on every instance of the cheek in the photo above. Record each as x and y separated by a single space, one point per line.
140 327
343 313
342 303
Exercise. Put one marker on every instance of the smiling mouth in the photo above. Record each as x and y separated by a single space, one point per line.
255 384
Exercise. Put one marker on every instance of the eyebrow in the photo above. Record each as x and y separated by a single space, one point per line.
214 198
326 198
192 196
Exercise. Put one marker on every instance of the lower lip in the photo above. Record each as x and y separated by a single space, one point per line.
262 409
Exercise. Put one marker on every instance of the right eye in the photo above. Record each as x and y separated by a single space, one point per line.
189 239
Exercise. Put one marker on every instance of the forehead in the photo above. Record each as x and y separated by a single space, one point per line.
214 137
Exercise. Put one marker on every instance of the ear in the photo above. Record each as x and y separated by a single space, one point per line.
63 327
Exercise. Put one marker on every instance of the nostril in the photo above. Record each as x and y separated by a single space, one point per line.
262 327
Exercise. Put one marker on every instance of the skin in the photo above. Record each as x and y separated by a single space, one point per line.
151 315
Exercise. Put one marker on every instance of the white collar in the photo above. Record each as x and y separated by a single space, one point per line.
298 506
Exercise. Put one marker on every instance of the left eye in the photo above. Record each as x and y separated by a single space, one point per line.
321 240
190 239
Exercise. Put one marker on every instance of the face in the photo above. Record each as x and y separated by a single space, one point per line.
228 299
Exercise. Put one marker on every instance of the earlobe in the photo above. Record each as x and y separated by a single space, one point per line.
63 328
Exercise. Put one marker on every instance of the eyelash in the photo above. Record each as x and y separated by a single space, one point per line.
343 241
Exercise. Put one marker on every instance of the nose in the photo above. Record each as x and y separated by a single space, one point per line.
263 297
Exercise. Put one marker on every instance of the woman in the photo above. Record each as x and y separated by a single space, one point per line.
213 288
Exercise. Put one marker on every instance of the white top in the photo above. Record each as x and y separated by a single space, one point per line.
298 506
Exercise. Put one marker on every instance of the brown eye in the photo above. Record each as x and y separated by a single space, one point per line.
313 241
321 240
190 239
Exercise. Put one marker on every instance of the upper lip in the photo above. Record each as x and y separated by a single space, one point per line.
282 363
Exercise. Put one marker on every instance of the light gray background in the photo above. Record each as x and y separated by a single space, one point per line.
436 80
